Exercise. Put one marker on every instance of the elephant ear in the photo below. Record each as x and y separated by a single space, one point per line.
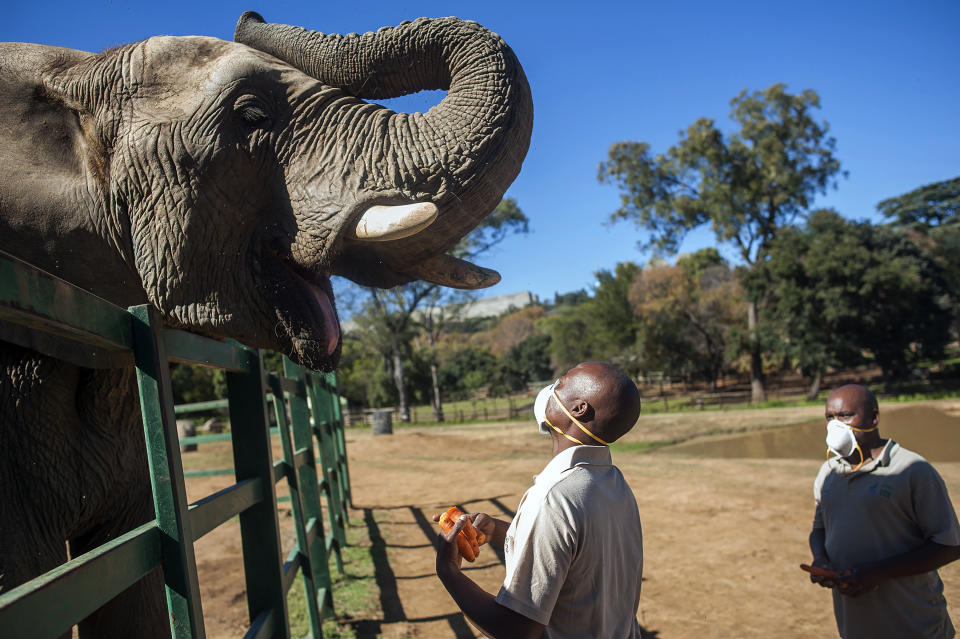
72 88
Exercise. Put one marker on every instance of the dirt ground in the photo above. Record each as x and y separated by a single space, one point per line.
723 535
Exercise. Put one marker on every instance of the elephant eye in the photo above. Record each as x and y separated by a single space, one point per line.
252 110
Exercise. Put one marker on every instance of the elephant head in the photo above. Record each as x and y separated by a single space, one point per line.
226 182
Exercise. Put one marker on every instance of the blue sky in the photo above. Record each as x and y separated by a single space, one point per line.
888 76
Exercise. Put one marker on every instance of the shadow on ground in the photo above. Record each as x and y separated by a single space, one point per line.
386 579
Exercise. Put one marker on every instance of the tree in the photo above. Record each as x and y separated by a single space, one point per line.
603 327
813 301
840 287
391 318
746 185
928 206
525 362
931 214
687 313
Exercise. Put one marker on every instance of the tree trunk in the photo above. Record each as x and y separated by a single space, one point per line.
814 388
757 392
401 387
437 404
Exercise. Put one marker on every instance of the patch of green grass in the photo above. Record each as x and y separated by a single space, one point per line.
354 592
919 397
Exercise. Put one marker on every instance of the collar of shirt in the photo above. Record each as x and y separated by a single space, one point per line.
843 467
571 457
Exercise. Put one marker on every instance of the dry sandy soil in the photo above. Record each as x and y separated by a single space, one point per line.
725 518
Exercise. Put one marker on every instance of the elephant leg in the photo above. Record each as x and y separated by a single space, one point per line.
140 610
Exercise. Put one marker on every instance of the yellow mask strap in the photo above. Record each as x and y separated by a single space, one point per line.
574 420
858 449
862 430
573 439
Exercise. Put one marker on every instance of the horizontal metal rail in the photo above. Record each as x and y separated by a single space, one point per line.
80 586
211 511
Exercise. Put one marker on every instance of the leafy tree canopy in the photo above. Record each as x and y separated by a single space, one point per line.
746 184
930 205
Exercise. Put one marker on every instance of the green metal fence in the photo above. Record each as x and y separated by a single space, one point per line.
37 308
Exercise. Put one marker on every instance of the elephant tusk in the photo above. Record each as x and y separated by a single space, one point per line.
382 223
447 270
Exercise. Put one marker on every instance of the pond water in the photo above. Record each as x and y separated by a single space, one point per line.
923 429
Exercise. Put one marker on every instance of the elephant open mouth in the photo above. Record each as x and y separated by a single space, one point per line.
302 303
322 294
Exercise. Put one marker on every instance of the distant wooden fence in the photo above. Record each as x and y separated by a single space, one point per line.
34 301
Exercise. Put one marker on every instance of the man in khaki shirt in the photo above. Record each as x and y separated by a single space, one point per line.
574 550
885 523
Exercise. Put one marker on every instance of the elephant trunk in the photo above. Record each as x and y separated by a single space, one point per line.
461 155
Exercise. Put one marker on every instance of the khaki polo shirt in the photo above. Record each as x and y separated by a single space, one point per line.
574 550
890 506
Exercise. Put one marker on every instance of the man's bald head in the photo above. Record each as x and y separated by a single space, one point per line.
853 404
857 395
613 397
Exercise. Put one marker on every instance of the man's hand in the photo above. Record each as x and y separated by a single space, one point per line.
448 553
857 581
484 523
826 582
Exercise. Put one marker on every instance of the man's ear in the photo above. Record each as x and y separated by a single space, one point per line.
580 408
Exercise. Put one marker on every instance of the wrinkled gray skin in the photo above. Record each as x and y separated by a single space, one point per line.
222 183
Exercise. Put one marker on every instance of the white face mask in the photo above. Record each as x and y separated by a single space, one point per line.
540 408
840 439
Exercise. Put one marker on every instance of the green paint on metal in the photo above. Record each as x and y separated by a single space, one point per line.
211 511
294 464
46 303
50 604
187 348
208 473
259 529
166 474
197 407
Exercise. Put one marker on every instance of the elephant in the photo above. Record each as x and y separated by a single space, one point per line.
223 183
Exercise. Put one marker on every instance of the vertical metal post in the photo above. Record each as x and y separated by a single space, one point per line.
296 504
310 490
259 529
320 414
166 474
341 441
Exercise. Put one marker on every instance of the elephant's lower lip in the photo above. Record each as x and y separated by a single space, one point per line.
331 325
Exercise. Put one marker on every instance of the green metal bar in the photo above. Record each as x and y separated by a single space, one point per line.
208 473
263 626
166 474
281 470
211 511
294 564
187 348
259 529
330 402
53 602
43 301
309 489
341 440
296 503
319 404
196 407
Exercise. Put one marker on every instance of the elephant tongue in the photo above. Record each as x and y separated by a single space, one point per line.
331 326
